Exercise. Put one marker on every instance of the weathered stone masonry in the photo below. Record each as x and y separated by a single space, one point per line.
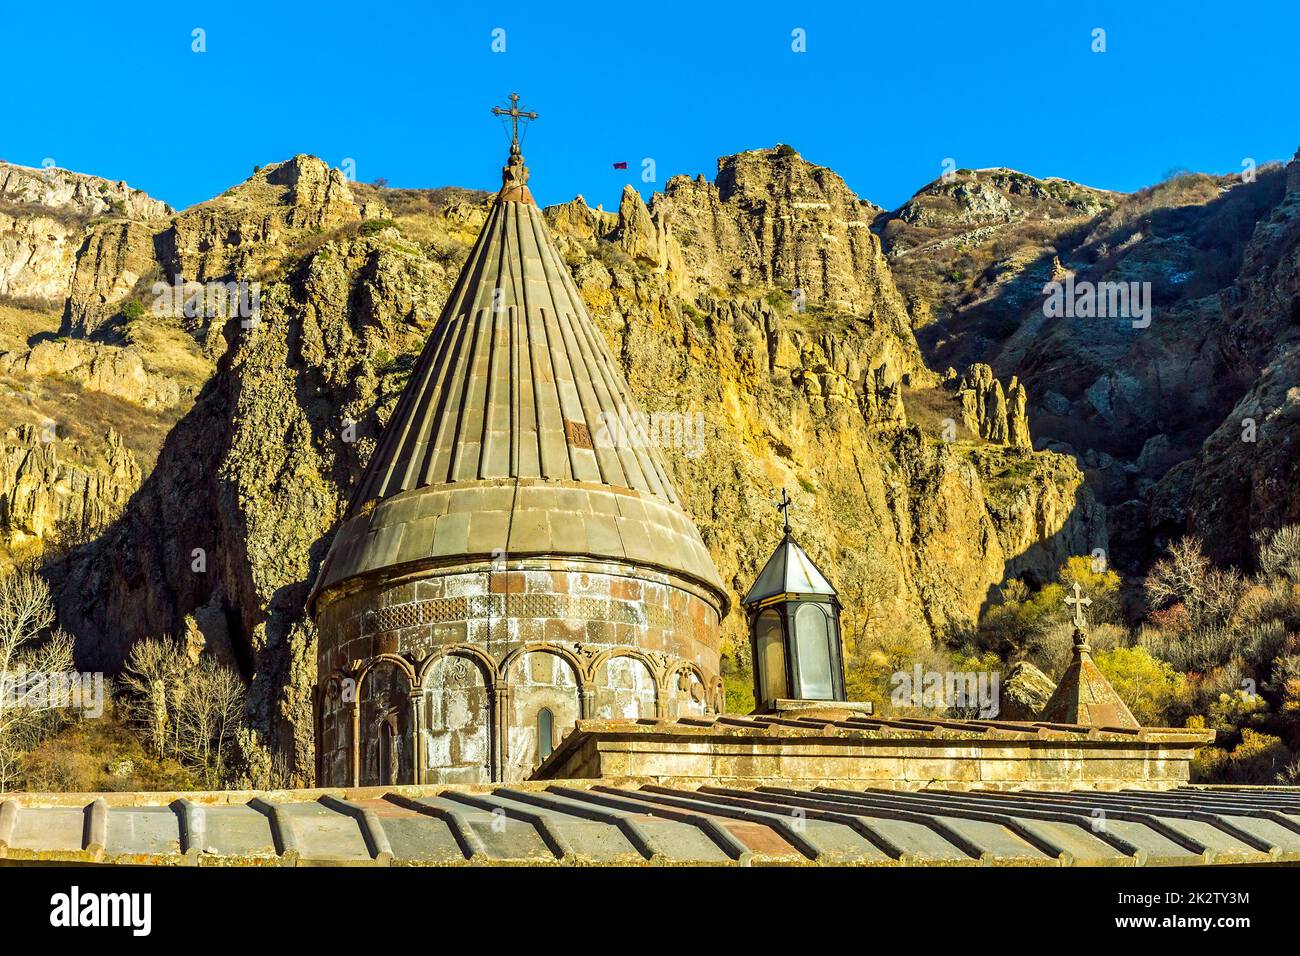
454 670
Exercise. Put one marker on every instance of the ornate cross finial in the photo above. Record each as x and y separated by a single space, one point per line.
784 506
1079 602
515 114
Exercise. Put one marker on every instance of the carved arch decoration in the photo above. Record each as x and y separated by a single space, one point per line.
673 693
488 665
457 713
334 730
372 662
580 671
383 731
562 687
604 660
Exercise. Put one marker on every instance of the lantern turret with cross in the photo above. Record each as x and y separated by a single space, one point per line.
794 627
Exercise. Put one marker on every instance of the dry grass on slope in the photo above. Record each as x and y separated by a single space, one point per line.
18 324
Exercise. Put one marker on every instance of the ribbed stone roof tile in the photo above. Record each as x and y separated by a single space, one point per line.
597 822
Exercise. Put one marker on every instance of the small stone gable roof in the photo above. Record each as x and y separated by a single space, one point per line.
1084 696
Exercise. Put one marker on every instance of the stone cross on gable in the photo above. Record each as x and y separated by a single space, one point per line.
1079 602
784 506
515 114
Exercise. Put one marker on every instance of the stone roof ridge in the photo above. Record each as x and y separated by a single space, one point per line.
639 821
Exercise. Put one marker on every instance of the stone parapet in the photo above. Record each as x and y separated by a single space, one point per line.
893 754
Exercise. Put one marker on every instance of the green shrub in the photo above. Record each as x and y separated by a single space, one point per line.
738 684
1018 625
1234 711
1258 759
1157 694
372 226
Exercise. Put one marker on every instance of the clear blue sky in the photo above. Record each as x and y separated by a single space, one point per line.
884 93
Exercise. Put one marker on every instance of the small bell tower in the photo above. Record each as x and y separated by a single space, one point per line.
794 630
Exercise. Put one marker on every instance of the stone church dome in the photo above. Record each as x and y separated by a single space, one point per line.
509 562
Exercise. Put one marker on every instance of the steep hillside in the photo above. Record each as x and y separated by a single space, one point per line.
77 421
1246 477
979 237
1131 397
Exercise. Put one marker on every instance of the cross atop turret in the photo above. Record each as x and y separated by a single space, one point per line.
784 505
1079 602
515 114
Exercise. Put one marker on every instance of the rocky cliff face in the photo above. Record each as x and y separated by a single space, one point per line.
120 372
37 255
1134 397
1246 477
77 194
908 526
773 220
761 303
249 227
989 412
52 492
50 219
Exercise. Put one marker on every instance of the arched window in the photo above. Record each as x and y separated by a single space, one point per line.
813 653
545 732
771 657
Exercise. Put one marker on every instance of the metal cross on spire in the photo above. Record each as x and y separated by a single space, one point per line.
1079 602
515 114
784 506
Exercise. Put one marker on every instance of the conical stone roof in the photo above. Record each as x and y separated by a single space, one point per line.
503 441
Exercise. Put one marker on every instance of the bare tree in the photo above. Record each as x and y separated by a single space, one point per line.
189 712
1185 575
867 590
30 653
152 670
1219 596
1180 575
212 707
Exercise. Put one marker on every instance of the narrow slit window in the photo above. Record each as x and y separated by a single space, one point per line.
545 731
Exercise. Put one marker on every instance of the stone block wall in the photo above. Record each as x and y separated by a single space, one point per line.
456 675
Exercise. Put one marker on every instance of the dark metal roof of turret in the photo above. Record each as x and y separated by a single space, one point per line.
788 571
